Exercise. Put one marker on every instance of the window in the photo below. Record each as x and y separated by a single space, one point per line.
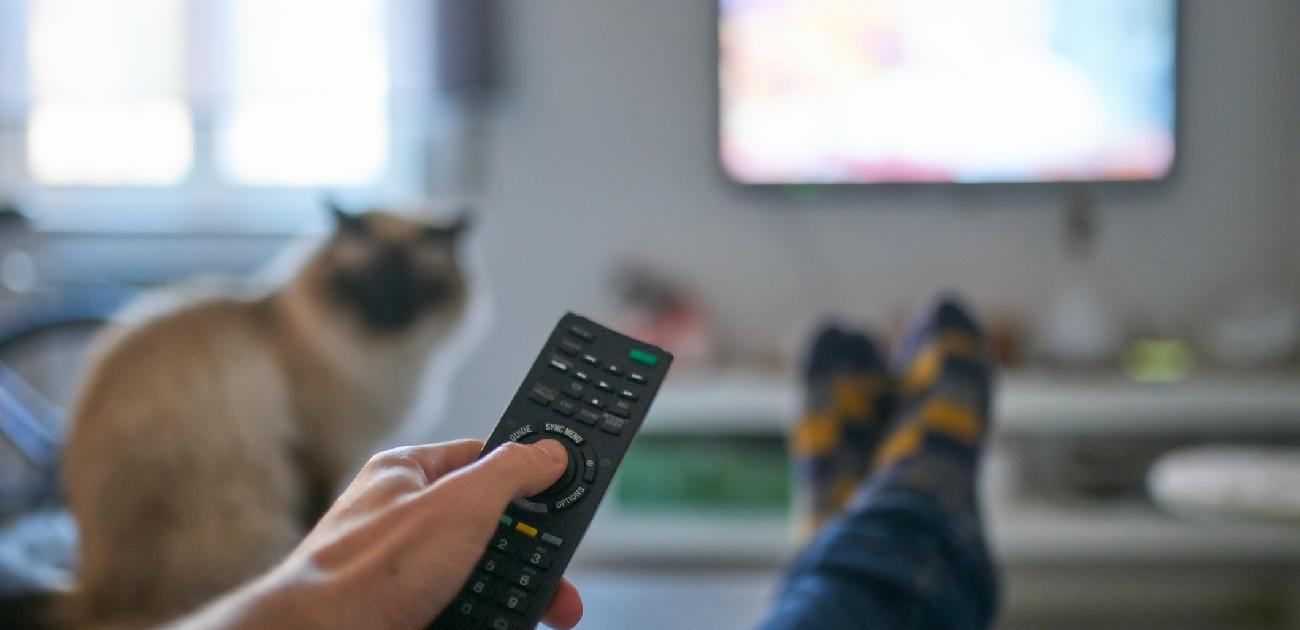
192 108
106 84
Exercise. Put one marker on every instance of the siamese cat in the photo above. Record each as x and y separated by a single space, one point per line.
206 441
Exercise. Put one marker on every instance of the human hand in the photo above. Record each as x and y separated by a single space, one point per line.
400 542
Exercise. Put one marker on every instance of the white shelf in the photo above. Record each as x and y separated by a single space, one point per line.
1020 531
1019 534
1024 402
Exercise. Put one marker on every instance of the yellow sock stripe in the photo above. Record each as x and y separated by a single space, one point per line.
815 434
924 369
841 490
951 419
852 397
901 443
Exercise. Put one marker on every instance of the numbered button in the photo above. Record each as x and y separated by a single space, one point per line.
513 600
499 622
503 543
468 608
493 564
538 557
525 578
480 586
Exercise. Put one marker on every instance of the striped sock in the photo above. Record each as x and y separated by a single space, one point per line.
944 373
847 396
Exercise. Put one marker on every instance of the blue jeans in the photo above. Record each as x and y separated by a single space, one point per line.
895 560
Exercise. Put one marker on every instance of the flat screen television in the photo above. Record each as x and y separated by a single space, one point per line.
951 91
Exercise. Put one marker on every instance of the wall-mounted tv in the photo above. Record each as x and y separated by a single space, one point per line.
952 91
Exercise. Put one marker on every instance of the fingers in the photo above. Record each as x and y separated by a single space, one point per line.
565 609
510 471
433 460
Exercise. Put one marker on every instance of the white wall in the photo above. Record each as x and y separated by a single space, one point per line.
603 149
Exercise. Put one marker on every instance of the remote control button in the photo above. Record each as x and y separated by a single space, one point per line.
513 600
542 394
621 408
552 540
587 416
560 365
498 622
530 506
580 375
569 346
595 402
588 464
539 557
564 406
506 520
526 529
468 608
636 378
610 423
524 577
643 357
591 359
628 394
480 585
503 543
613 369
573 436
493 564
582 332
521 433
574 390
572 498
604 385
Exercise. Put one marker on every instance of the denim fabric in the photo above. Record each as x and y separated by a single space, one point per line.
896 560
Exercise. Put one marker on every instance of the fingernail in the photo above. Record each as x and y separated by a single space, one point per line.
555 450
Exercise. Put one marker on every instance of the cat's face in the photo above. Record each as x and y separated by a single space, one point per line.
393 271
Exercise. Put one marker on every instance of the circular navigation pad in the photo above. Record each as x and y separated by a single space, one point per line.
580 471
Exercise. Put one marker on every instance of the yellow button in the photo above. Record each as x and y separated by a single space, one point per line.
526 529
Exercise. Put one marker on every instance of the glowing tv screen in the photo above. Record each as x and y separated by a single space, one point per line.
959 91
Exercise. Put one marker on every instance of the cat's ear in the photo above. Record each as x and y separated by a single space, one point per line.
344 222
453 230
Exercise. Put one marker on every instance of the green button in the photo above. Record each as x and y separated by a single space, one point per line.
641 356
506 520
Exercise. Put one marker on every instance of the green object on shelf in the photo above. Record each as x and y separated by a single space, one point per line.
1159 361
710 474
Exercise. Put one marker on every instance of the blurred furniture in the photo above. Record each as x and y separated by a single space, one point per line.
43 337
1232 483
1065 495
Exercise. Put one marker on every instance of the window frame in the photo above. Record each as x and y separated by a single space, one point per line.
202 201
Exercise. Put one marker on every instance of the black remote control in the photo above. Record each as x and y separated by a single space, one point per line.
590 389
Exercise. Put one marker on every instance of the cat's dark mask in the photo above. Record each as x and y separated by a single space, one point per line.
392 270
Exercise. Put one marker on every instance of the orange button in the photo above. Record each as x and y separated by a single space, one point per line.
526 529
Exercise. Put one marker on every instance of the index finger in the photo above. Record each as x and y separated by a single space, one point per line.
436 460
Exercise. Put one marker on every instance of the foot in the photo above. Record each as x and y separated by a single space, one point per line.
847 396
944 373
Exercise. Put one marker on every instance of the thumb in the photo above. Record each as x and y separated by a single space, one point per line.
513 470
